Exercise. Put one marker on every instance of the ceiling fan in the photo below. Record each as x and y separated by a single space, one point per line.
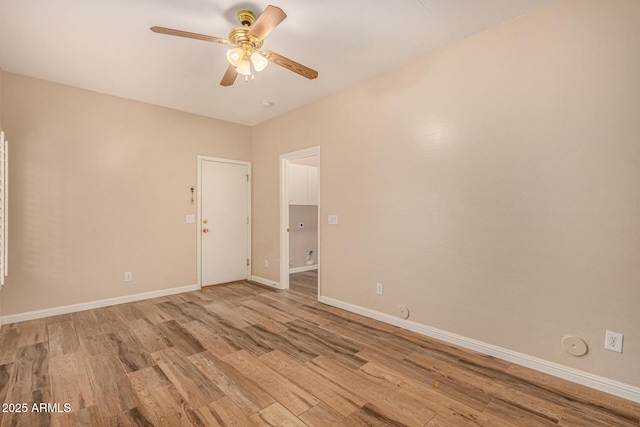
246 55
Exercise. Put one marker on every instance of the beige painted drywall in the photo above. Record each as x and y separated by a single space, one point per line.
303 239
100 186
0 98
0 129
493 187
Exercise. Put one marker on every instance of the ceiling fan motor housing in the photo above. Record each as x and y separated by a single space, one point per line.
240 37
246 18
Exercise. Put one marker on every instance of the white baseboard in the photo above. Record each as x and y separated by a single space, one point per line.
54 311
303 268
266 282
616 388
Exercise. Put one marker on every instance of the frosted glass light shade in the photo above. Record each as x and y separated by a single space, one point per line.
234 56
259 61
244 68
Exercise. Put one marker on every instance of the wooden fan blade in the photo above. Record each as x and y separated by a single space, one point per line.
291 65
187 34
229 76
270 18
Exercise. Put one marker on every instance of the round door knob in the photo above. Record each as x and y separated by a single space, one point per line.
205 230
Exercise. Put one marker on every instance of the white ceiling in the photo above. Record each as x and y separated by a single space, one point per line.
106 46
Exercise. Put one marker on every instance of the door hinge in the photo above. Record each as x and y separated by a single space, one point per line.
247 261
247 220
247 175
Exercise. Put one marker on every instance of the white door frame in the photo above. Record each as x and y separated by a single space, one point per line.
284 212
199 212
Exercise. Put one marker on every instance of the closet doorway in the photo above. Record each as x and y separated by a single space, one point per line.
300 220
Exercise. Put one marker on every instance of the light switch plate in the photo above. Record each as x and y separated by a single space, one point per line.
333 219
190 219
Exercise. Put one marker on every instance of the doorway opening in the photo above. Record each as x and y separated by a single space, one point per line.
300 220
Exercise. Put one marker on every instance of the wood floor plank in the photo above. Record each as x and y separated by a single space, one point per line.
224 413
6 382
582 395
572 417
322 415
276 415
152 313
33 332
246 394
269 311
90 416
175 311
220 345
280 342
450 411
485 385
436 347
70 382
292 397
230 315
151 338
384 401
90 334
191 383
297 311
471 398
160 402
323 342
352 318
63 338
180 337
521 417
260 319
130 418
238 337
131 354
329 391
30 372
372 337
112 388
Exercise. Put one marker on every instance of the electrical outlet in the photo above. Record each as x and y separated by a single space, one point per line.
613 341
128 276
379 289
266 263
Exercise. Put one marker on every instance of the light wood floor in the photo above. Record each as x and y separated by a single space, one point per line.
243 355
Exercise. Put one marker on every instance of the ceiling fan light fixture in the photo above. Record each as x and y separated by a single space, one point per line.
259 61
235 56
244 68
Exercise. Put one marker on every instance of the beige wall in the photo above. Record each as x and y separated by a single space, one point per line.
493 187
100 186
0 129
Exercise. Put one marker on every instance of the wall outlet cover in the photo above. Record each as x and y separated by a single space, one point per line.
613 341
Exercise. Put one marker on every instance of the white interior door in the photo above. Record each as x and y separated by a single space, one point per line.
224 221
